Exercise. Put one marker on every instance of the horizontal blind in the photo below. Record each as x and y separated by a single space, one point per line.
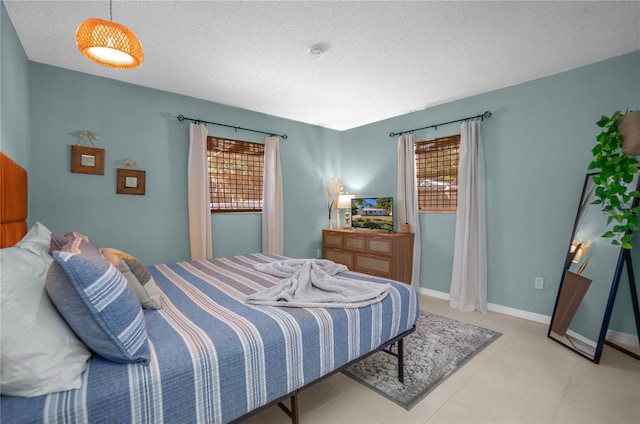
235 175
437 173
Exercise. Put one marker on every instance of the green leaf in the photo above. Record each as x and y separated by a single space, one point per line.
618 229
603 121
615 202
596 149
608 234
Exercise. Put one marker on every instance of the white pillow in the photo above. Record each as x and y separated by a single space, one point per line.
40 354
37 240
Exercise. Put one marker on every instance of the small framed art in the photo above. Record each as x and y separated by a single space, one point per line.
131 181
87 160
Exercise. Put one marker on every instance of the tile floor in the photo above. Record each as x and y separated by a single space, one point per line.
522 377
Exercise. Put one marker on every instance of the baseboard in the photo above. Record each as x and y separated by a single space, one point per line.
519 313
612 335
615 336
623 338
582 339
434 293
531 316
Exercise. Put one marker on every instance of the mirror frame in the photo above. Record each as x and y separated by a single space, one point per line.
624 258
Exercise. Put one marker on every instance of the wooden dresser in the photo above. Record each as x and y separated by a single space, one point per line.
382 254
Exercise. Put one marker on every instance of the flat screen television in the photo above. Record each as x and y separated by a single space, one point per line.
374 213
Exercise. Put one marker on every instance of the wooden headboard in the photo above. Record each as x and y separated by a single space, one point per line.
13 201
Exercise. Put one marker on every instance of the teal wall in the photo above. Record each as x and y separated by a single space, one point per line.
537 148
14 94
140 123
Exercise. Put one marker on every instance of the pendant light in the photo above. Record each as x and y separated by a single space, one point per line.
108 43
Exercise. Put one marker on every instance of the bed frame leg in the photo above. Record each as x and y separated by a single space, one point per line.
401 361
294 409
400 355
291 412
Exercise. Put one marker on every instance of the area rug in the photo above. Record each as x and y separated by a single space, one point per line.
437 348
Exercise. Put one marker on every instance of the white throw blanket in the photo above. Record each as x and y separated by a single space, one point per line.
313 283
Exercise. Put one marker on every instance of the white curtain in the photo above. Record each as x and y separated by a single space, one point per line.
198 194
408 198
272 203
469 274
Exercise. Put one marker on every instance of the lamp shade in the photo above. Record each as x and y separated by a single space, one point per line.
109 44
344 201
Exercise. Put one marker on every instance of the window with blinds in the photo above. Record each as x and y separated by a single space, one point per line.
437 174
235 175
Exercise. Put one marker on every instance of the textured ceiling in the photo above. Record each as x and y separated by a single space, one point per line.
383 58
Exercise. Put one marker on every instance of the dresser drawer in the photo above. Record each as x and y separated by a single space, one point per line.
355 242
332 239
376 265
339 256
379 245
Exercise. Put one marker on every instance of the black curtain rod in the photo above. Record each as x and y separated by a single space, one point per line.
200 121
487 114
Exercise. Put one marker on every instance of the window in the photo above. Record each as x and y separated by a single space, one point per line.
235 175
437 174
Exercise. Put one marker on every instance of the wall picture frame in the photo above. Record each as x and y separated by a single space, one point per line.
131 181
87 160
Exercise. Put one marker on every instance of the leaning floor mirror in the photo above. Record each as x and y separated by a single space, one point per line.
597 300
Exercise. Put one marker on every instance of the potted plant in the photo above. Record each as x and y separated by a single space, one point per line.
617 170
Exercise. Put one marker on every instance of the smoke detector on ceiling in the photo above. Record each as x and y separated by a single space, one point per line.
318 50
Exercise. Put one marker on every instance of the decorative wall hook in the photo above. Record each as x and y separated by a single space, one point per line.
131 163
91 135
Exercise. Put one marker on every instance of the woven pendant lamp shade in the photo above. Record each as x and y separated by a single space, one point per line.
109 44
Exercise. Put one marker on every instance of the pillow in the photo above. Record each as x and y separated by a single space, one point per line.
58 242
40 354
138 277
97 303
37 241
114 255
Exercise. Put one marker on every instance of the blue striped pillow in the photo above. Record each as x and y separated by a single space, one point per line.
97 302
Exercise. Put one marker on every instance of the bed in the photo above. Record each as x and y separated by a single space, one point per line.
212 357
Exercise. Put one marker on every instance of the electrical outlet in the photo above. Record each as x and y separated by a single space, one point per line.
539 283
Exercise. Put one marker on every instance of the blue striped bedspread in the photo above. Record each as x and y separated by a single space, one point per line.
215 358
